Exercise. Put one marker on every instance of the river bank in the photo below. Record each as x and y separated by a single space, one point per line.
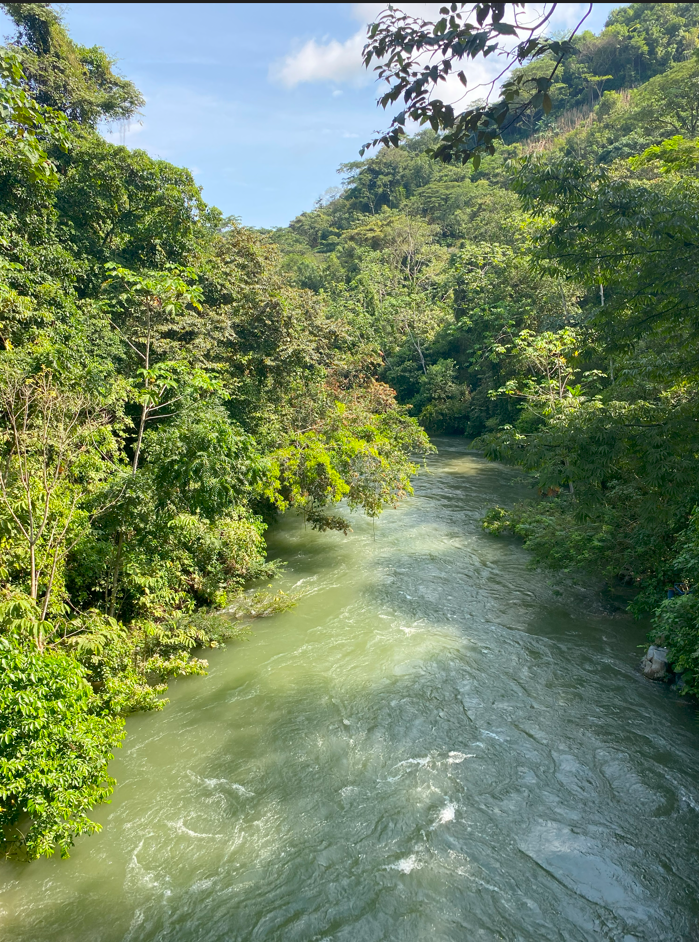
428 746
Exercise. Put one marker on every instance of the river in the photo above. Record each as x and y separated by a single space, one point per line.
437 743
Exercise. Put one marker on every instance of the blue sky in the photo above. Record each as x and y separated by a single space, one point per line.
262 102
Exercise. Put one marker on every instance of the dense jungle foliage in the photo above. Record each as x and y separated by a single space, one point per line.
170 380
544 304
164 391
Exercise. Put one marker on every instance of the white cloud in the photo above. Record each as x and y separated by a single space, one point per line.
317 62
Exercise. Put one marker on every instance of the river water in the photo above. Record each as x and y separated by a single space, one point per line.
437 743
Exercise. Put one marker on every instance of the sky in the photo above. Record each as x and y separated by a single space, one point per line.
261 101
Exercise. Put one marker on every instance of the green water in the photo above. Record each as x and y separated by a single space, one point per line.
436 744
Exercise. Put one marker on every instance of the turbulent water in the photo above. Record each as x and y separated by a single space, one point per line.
436 744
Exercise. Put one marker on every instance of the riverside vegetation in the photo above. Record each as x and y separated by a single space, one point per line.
170 379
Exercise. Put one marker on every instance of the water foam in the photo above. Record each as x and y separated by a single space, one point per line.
456 757
406 864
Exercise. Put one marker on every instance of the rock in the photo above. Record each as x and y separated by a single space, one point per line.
654 664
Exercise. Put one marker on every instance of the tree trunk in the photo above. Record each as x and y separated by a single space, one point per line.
416 344
49 587
34 584
139 441
571 489
144 410
115 575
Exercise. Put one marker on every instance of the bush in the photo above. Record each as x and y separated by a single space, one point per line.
54 751
676 625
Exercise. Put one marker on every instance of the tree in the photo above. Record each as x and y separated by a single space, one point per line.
548 359
165 388
629 441
669 103
54 749
413 55
632 233
56 451
30 126
67 77
363 452
549 397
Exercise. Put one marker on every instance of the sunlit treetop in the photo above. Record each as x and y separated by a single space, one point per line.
63 75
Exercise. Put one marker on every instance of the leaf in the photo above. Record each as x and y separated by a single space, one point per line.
505 29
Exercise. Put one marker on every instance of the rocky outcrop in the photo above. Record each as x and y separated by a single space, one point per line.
654 664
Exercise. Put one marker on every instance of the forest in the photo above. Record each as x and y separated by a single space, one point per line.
171 380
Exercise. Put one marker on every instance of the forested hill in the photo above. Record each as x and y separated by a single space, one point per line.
545 305
404 226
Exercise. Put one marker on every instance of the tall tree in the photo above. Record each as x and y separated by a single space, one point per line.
77 80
